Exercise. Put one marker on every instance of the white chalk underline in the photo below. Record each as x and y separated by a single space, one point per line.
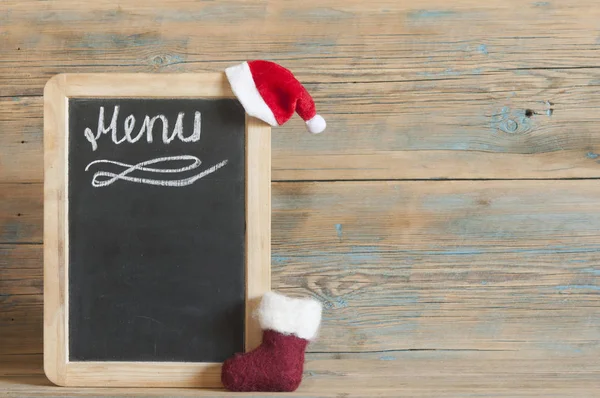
105 178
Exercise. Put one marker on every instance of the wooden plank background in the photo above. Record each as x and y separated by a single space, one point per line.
448 218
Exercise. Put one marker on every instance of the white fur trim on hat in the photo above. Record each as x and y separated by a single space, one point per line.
297 316
243 86
316 125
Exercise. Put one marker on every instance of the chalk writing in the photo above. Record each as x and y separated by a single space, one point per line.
146 129
105 178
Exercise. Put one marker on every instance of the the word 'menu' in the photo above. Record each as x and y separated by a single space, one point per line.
146 129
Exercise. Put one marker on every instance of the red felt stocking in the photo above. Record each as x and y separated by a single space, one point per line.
276 365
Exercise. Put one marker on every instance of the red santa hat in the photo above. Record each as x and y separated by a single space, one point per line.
272 94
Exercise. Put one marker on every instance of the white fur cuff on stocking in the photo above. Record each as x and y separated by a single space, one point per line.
296 316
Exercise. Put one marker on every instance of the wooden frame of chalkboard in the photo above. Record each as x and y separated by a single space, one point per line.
57 93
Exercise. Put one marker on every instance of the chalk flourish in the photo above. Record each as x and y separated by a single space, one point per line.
104 178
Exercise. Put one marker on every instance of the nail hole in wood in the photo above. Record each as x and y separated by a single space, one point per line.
22 142
19 214
528 113
18 48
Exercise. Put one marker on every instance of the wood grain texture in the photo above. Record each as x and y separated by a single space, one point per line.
443 289
21 269
136 85
20 215
485 286
415 91
258 224
408 374
56 233
21 329
445 265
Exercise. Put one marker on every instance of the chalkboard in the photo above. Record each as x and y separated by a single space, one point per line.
156 258
156 241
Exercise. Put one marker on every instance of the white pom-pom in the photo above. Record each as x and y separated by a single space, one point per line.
316 125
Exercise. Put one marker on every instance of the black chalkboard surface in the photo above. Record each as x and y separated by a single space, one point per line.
156 229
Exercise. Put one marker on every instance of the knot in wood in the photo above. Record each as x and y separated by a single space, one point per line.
512 121
159 60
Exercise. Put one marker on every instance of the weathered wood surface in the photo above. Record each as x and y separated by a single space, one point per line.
21 213
419 90
458 288
489 285
403 374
